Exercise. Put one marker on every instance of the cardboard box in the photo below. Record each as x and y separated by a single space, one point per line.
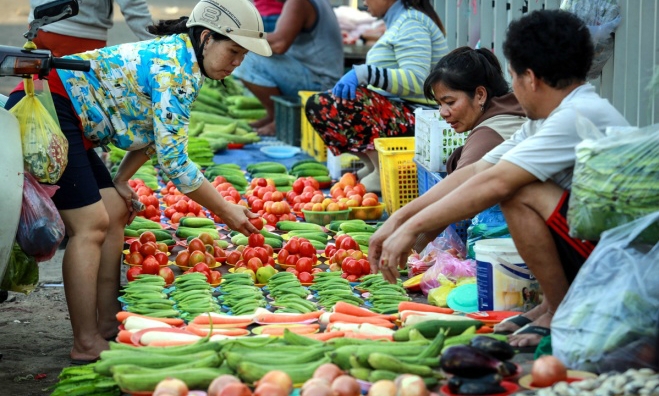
435 140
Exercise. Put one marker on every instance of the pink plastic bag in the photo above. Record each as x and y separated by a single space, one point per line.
448 265
40 229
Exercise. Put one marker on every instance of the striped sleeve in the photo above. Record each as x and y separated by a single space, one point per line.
402 66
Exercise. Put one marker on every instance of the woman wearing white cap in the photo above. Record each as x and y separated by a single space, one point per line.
137 96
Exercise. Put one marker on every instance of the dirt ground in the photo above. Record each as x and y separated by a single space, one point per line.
35 335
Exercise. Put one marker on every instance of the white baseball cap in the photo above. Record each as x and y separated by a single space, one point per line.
237 19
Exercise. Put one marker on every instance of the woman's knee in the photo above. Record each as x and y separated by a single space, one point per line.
90 225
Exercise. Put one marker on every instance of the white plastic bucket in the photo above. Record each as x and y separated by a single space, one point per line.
504 282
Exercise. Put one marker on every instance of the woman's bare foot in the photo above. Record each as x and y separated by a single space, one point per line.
267 130
90 351
532 315
536 331
262 122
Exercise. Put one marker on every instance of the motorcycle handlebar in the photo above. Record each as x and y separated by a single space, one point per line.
70 64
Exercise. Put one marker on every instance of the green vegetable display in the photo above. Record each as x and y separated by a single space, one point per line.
22 274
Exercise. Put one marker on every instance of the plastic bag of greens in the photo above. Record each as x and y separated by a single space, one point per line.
615 180
488 224
22 274
40 228
602 17
45 147
608 319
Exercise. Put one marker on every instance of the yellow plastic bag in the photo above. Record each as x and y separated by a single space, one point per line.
45 147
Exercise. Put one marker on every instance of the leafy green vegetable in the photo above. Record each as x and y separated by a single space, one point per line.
22 274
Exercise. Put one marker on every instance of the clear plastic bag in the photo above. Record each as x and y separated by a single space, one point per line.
616 178
609 320
45 147
602 18
40 228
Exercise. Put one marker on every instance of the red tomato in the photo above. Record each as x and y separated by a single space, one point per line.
270 251
216 277
305 277
330 250
167 274
132 273
148 249
161 258
307 249
135 258
205 238
291 259
349 243
316 270
135 246
150 266
282 256
182 258
366 266
261 254
196 244
197 257
352 278
233 257
351 266
209 259
257 222
304 264
255 240
249 253
162 247
271 261
298 185
200 267
293 245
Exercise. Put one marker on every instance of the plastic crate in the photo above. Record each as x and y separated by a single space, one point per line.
398 176
426 178
287 119
311 143
435 140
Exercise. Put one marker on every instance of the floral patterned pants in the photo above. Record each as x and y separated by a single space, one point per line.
352 126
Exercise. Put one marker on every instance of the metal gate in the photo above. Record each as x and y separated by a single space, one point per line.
625 80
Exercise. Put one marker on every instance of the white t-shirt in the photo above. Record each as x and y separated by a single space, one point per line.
545 148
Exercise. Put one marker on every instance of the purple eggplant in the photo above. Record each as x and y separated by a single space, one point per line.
499 349
455 382
469 362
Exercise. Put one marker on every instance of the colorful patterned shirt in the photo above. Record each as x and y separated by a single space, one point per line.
138 96
400 61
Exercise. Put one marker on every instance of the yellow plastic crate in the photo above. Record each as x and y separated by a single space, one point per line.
311 143
398 175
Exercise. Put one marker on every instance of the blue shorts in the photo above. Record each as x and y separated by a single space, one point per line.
85 174
269 22
278 71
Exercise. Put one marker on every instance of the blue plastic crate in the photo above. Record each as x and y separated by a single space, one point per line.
287 119
426 178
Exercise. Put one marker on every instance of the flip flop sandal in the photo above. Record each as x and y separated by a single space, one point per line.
519 320
82 362
531 329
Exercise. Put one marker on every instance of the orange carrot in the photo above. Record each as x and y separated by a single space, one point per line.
485 330
325 336
124 337
203 330
287 318
221 319
122 315
168 343
349 309
339 317
415 306
279 331
366 336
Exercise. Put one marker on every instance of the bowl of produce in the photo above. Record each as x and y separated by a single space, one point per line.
323 217
367 212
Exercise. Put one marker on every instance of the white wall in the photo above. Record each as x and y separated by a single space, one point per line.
625 77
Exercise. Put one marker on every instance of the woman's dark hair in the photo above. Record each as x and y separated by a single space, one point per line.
465 69
555 44
427 8
177 26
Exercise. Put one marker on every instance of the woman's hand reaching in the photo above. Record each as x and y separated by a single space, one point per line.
237 218
128 195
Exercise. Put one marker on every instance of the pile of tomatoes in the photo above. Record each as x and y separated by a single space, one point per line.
300 256
201 255
346 256
146 256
